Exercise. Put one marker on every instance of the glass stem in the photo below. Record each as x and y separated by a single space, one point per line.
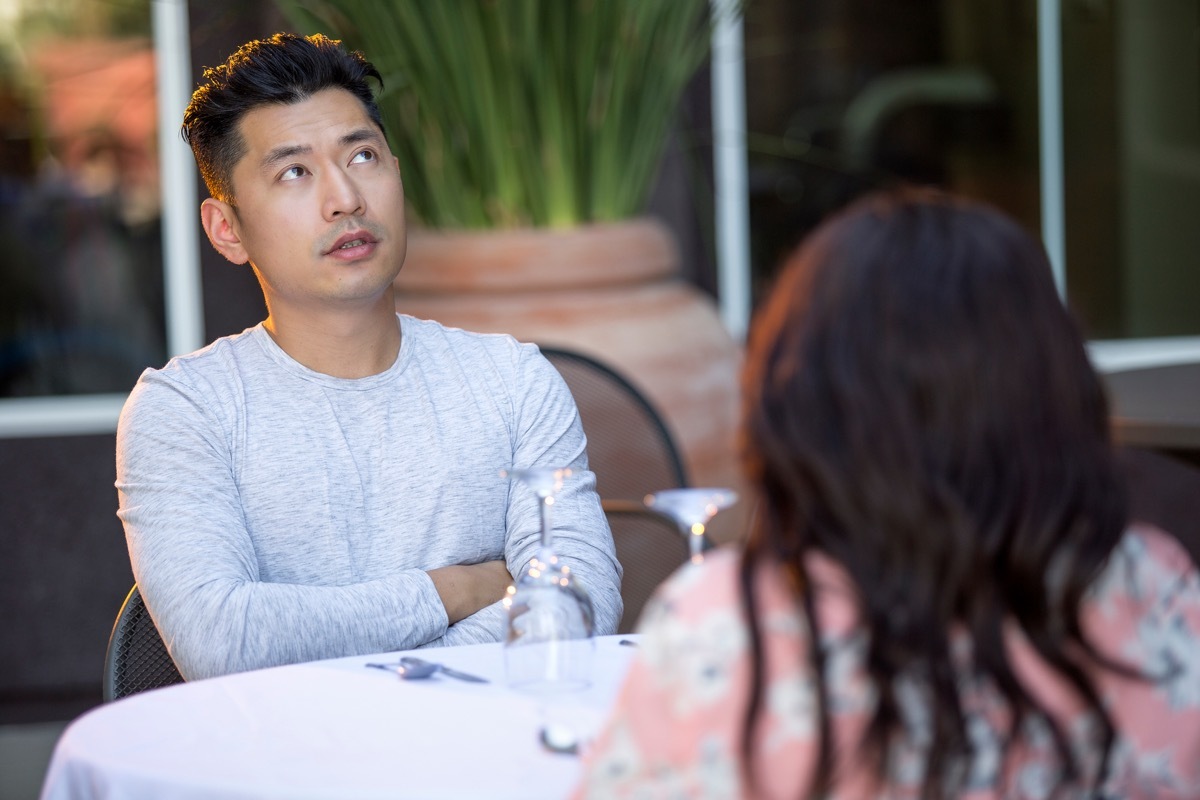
546 535
695 545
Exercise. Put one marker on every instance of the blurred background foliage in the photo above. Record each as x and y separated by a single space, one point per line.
511 113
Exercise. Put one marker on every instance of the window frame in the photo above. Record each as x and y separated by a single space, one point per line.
98 413
1108 355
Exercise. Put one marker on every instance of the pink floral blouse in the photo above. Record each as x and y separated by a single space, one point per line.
676 729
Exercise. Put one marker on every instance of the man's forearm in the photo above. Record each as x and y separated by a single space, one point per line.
468 588
487 625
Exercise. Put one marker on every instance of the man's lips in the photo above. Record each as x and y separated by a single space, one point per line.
350 242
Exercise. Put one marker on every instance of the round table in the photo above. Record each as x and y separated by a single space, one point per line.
334 729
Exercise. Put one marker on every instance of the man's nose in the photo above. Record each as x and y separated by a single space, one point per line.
341 195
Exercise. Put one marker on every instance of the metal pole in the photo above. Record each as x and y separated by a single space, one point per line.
181 250
729 167
1050 130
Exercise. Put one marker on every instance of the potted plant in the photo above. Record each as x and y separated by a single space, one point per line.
529 133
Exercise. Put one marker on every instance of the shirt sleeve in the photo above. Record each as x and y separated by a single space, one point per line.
548 433
195 563
485 625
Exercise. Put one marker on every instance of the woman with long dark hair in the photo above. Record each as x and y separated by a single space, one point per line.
941 595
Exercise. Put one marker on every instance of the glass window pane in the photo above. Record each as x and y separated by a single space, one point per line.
1131 85
81 286
850 95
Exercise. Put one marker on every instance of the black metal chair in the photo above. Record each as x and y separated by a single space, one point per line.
633 454
629 447
137 659
1164 491
649 547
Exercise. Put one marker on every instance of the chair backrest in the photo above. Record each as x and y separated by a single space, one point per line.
1163 490
137 659
649 547
629 447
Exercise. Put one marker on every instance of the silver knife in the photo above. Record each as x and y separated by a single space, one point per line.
442 668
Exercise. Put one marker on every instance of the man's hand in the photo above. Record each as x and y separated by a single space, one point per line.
467 588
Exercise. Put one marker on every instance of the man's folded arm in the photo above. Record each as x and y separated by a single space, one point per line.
196 566
551 435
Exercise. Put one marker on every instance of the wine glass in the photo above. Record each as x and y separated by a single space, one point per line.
692 509
550 620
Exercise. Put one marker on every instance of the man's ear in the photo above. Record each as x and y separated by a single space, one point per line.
220 223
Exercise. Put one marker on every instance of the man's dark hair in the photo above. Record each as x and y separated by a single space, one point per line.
281 70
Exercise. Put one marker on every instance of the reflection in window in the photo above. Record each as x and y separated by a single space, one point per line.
81 286
844 96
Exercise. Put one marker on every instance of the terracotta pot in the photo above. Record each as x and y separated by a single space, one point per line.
613 291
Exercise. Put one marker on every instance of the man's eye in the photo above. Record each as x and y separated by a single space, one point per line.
363 156
291 173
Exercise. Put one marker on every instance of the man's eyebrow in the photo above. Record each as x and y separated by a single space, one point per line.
279 154
361 135
285 152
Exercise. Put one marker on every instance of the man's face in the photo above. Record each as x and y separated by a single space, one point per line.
320 204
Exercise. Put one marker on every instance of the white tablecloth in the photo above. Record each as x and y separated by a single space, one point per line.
333 729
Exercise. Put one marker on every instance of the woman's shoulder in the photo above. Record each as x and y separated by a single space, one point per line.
715 583
710 592
696 589
1148 566
1144 613
1162 547
1144 610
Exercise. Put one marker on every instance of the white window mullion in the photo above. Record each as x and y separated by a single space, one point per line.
98 413
730 169
181 251
1050 132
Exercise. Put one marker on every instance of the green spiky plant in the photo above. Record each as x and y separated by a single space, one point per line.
509 113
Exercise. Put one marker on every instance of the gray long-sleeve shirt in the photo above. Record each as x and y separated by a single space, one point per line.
275 514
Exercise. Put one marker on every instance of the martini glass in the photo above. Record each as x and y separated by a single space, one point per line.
550 620
692 509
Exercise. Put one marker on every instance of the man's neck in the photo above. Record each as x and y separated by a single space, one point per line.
341 343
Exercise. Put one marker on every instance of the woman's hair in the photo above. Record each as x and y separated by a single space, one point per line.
920 408
279 70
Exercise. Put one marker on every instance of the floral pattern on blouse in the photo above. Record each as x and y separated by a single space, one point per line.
676 729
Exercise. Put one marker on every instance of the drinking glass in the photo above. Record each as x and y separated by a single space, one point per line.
692 509
550 620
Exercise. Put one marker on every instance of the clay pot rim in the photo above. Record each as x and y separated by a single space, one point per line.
638 250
